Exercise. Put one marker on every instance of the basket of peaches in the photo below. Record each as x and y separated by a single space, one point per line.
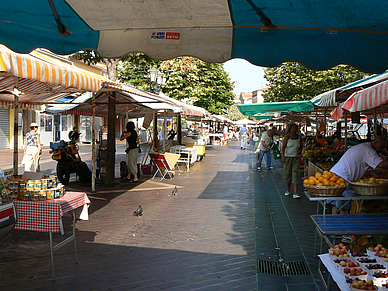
325 184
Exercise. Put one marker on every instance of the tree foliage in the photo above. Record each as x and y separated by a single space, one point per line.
192 80
234 114
292 81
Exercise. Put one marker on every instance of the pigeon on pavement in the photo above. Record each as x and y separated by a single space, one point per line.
139 211
175 191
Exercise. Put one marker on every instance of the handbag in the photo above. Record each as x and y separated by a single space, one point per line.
127 150
301 160
24 160
255 138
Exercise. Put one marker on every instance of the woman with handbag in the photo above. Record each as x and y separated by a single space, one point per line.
291 150
132 150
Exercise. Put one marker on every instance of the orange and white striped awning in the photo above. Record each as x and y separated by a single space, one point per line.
31 68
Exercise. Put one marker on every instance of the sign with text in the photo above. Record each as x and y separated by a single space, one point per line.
165 37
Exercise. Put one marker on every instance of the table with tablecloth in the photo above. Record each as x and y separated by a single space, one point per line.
46 216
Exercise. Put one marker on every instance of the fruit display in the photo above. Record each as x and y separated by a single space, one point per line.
339 251
359 254
325 179
379 251
367 261
363 284
376 175
371 180
380 279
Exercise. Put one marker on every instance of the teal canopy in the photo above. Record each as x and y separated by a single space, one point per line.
319 34
259 117
273 107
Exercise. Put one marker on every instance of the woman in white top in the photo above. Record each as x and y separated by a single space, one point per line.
292 147
32 148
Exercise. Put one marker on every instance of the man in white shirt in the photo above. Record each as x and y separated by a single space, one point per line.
243 136
355 162
265 146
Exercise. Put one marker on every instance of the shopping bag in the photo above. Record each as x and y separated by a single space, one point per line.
276 154
24 160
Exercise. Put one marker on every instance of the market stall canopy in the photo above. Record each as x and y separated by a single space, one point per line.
38 79
127 98
330 98
271 107
245 122
186 109
260 117
369 98
317 33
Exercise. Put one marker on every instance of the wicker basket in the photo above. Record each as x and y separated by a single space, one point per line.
325 190
370 189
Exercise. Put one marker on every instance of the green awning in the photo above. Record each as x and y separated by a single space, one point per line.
272 107
259 117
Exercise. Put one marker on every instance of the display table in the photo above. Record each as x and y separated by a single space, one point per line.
214 136
334 273
187 155
350 224
323 200
46 216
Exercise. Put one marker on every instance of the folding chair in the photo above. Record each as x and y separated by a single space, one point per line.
163 165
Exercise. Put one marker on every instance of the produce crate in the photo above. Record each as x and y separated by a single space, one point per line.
325 190
313 169
370 189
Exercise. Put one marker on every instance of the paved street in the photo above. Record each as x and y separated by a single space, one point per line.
225 222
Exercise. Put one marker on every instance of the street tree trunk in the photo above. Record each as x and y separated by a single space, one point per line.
111 146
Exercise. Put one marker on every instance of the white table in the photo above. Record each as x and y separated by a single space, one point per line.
188 156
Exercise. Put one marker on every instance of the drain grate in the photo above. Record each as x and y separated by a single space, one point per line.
283 268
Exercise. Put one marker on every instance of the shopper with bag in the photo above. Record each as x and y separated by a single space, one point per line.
265 146
291 150
132 150
32 149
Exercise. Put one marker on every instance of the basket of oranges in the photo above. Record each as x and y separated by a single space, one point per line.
325 184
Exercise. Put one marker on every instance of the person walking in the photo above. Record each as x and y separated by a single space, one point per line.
32 149
291 149
265 146
243 133
256 139
132 151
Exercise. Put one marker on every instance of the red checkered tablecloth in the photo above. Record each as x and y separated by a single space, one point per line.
45 216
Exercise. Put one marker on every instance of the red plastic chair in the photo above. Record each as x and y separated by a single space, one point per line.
162 165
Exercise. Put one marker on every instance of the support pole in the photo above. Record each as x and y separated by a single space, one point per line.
346 130
94 144
15 128
375 121
164 132
179 128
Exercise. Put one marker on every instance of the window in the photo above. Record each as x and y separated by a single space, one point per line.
46 122
64 123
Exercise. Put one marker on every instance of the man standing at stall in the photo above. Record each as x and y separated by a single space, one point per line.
353 165
265 146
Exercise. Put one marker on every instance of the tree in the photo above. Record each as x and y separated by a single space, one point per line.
234 114
292 81
192 80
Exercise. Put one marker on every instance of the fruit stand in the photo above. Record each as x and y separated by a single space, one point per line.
352 271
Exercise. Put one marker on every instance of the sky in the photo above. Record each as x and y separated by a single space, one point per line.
248 77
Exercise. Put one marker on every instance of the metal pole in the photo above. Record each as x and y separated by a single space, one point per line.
346 130
15 128
94 144
375 121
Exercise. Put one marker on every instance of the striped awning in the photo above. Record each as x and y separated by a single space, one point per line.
369 98
41 79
